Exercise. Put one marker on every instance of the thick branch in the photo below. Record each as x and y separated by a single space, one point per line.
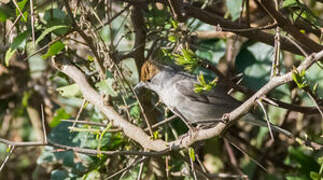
287 26
256 35
133 132
245 107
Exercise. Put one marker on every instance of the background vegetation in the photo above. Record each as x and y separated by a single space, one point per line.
53 126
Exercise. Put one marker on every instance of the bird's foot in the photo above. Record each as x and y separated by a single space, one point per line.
225 118
190 133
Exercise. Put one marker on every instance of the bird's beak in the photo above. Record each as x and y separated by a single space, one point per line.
139 86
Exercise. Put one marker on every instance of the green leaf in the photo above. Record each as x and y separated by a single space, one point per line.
254 62
56 17
49 30
72 90
94 174
20 40
105 87
306 162
296 178
289 3
135 111
174 24
191 153
54 49
299 78
172 38
212 50
203 85
21 6
187 59
234 7
10 52
25 98
315 175
156 134
59 115
3 14
58 174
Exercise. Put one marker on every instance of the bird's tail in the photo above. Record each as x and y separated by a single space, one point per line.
251 119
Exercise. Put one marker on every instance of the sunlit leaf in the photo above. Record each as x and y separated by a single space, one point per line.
54 49
20 40
58 116
49 30
191 153
234 7
72 90
10 52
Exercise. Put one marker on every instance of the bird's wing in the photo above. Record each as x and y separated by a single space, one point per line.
216 96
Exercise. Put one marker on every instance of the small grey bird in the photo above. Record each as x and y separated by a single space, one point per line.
175 89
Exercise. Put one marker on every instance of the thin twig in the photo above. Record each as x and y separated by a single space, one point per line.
267 119
43 124
32 22
13 24
20 12
297 46
79 113
275 69
308 92
47 45
193 168
140 171
128 167
7 158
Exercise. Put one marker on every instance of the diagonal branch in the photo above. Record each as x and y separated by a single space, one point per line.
133 132
287 26
256 34
245 107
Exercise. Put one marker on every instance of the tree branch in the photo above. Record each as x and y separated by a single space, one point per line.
256 34
133 132
245 107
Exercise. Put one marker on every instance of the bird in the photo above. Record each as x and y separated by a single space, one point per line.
175 88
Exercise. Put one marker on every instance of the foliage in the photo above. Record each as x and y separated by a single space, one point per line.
109 41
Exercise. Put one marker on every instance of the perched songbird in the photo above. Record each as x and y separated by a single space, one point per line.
175 89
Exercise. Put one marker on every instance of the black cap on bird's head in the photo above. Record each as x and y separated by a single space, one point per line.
152 69
148 70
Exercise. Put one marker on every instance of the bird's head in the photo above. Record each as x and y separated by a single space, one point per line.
153 75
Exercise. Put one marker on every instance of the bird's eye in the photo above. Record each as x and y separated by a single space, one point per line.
149 80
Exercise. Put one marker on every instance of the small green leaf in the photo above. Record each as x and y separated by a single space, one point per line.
54 49
156 134
135 112
94 174
21 6
49 30
3 15
90 58
234 7
315 175
8 149
289 3
299 78
186 59
174 24
203 85
59 115
10 52
172 38
72 90
20 39
105 87
191 153
25 98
